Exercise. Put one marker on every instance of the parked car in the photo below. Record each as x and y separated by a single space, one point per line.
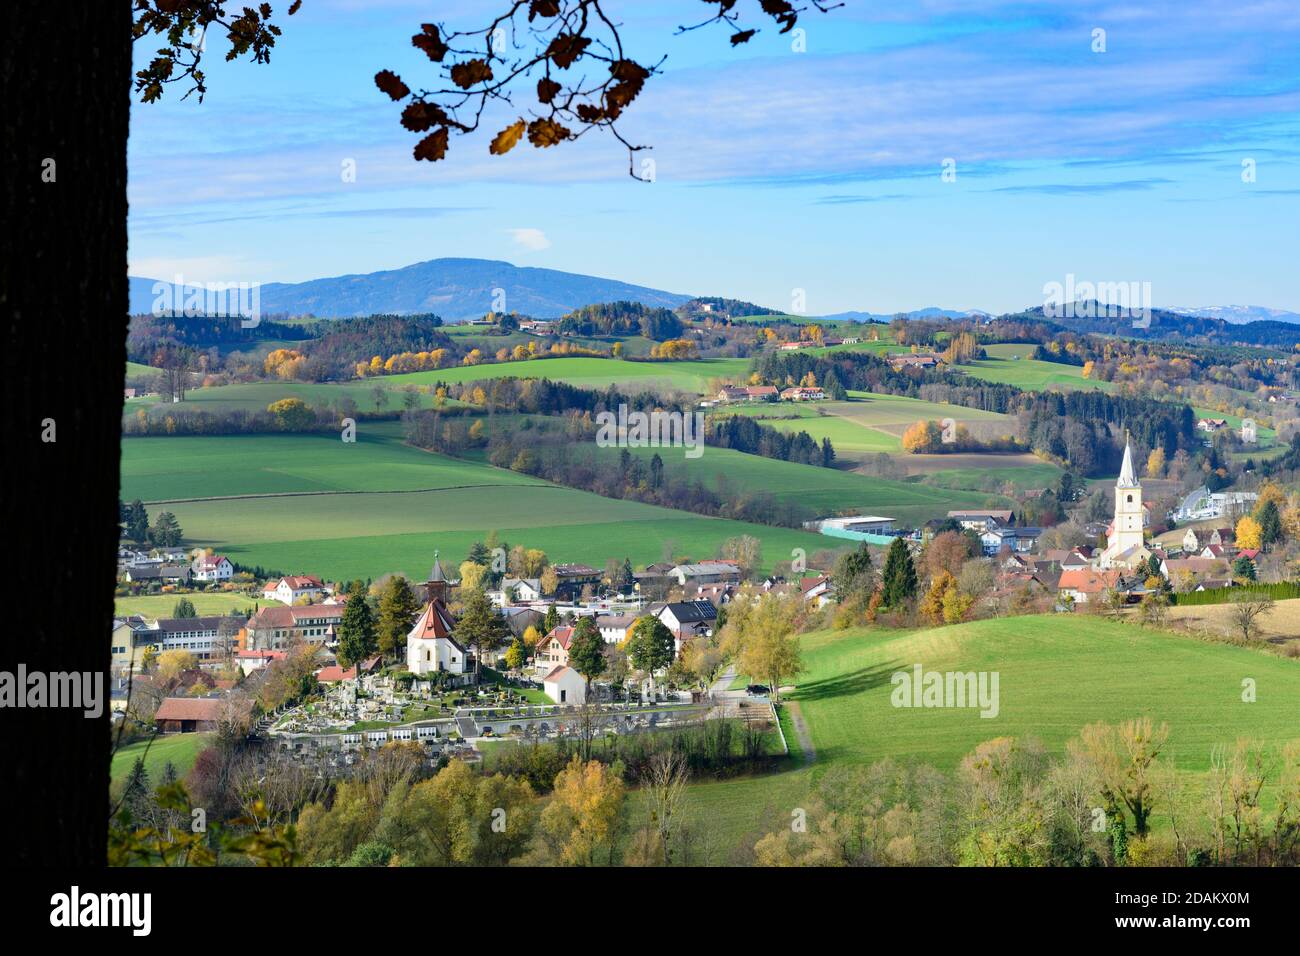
756 690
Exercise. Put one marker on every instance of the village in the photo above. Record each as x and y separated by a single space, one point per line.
522 671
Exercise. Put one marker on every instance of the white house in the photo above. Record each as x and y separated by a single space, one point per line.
430 646
614 628
289 590
525 589
212 567
564 685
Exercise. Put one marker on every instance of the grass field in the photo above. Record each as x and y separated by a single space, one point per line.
1056 674
1021 475
824 490
366 519
178 749
589 372
1266 436
255 396
160 605
1002 365
867 423
154 469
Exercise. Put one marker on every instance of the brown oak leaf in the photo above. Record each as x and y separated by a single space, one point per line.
546 89
433 147
470 72
390 83
505 140
430 41
546 132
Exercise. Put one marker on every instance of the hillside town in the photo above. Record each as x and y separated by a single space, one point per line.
554 638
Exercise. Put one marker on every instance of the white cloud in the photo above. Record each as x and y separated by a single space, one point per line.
534 240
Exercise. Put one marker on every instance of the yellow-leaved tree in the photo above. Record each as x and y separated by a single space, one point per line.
1249 533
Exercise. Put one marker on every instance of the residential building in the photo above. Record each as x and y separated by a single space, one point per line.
802 393
706 572
748 393
212 567
1088 584
980 520
552 651
614 628
277 627
687 619
294 588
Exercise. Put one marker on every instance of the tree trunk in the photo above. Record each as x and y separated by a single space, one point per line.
64 293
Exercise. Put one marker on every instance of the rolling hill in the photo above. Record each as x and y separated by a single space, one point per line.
456 289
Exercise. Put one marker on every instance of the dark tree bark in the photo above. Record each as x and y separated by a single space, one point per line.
66 77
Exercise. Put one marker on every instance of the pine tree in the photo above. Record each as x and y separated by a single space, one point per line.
551 621
650 646
356 630
899 575
184 608
136 796
587 651
481 627
1270 523
137 523
397 607
625 581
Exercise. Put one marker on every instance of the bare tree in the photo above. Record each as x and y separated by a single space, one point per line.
1248 610
665 787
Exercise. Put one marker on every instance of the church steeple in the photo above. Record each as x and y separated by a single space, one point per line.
436 586
1127 474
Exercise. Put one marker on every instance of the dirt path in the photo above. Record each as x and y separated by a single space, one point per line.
801 731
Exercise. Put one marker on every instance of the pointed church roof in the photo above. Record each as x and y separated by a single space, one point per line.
1127 476
434 622
436 574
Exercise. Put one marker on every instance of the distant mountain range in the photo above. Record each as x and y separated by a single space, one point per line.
929 312
1239 314
456 289
461 289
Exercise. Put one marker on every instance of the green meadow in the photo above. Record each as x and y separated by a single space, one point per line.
866 424
827 491
306 503
1055 675
180 467
1010 364
205 603
256 396
180 750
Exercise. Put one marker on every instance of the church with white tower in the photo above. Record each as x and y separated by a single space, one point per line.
1125 546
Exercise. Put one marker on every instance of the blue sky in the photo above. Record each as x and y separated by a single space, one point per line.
775 170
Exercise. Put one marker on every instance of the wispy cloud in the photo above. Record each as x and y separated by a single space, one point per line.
534 240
